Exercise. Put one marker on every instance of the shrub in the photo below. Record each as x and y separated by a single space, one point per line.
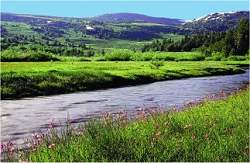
215 58
128 55
118 55
237 58
156 64
29 56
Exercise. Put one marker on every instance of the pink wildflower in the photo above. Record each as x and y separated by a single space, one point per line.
51 146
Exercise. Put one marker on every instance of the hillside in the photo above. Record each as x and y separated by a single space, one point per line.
109 30
217 21
132 17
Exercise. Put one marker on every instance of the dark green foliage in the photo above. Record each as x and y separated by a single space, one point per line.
233 42
228 43
29 52
242 37
188 43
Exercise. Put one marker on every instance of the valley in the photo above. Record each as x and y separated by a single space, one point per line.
188 78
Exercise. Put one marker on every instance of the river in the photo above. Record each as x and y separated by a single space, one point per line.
20 118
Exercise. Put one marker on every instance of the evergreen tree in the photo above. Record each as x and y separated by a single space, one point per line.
229 43
242 37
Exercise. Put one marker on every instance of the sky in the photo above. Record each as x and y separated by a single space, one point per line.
182 9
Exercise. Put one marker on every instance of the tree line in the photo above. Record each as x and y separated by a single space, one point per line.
233 42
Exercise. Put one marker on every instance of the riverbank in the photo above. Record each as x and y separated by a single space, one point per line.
29 79
216 129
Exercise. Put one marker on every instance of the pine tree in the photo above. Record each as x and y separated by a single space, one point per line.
229 42
242 37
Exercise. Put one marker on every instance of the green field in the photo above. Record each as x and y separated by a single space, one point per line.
128 55
49 55
215 130
110 54
26 54
23 79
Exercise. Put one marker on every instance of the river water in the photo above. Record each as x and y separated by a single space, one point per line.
20 118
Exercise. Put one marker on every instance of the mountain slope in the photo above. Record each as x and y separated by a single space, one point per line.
25 29
217 21
132 17
51 28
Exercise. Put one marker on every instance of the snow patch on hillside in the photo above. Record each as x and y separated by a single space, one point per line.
88 27
214 16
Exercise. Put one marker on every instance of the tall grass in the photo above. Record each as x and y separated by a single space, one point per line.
128 55
23 79
29 56
216 130
12 55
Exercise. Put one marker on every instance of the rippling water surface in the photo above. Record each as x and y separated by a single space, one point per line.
20 118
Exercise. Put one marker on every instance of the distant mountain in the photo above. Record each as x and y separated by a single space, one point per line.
124 26
23 18
217 21
132 17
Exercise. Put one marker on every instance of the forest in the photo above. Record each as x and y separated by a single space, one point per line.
229 43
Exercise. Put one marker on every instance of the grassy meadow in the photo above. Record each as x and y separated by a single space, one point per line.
46 55
21 54
110 54
24 79
216 129
128 55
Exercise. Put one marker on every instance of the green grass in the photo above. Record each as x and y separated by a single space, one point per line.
174 37
128 55
169 56
19 28
28 56
27 53
116 43
111 54
212 131
23 79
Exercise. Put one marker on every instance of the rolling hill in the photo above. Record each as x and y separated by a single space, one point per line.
218 22
101 30
132 17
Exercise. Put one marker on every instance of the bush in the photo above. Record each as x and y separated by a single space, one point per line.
191 57
156 64
237 58
128 55
29 56
118 55
216 56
